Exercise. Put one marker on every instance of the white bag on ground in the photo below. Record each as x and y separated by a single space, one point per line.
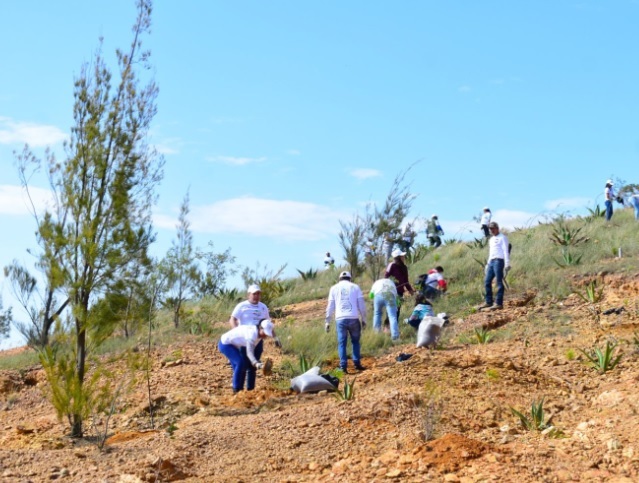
430 329
311 381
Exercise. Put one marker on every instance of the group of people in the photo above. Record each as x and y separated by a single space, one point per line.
609 197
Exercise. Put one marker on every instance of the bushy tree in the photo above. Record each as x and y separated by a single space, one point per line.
180 266
351 238
103 190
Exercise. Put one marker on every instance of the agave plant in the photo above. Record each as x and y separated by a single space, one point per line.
565 236
310 274
537 419
592 294
603 359
348 391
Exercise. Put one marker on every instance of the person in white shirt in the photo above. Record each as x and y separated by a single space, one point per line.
251 312
384 295
498 265
485 221
239 346
609 196
346 302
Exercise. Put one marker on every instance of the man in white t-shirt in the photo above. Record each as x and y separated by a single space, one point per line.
498 265
251 312
346 302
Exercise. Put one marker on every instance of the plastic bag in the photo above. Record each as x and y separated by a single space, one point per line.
429 331
311 381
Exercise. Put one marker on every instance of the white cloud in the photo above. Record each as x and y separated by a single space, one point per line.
364 173
14 200
464 89
235 160
16 132
257 217
294 152
568 203
169 146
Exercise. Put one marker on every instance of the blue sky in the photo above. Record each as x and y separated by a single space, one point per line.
283 117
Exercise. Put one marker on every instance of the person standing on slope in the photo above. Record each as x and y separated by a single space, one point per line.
434 231
498 265
346 302
609 196
397 271
485 221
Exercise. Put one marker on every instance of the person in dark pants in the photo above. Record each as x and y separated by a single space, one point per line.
238 345
397 271
498 265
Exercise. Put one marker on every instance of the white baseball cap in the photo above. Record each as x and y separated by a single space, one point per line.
267 327
397 253
254 288
609 182
345 274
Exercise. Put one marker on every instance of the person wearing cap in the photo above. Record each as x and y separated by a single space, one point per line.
497 267
434 231
485 221
397 271
239 346
609 196
346 302
384 295
251 312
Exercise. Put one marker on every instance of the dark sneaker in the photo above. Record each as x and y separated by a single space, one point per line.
360 367
344 370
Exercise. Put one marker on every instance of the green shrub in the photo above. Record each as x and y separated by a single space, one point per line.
603 359
536 421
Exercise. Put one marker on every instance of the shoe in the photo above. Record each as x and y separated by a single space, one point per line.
496 307
484 306
360 367
344 370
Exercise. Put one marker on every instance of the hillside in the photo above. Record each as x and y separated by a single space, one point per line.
461 394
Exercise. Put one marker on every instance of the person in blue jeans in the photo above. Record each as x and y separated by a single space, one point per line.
346 302
238 345
634 199
609 196
384 295
498 265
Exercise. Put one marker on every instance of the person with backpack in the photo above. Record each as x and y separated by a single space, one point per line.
497 268
434 231
239 346
432 284
346 302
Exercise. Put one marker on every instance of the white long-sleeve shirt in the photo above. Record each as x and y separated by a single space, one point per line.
346 301
243 336
609 193
485 218
498 248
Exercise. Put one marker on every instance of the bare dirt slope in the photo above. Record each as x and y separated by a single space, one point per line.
463 393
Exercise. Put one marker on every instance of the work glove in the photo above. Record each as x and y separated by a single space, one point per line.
278 342
327 327
258 365
363 324
506 270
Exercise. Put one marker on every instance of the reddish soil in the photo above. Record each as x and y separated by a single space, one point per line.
461 394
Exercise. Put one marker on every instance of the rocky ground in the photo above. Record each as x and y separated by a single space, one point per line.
438 416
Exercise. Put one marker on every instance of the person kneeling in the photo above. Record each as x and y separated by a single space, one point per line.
423 308
238 345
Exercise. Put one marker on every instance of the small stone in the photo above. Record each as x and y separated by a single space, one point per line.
452 477
394 474
312 466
